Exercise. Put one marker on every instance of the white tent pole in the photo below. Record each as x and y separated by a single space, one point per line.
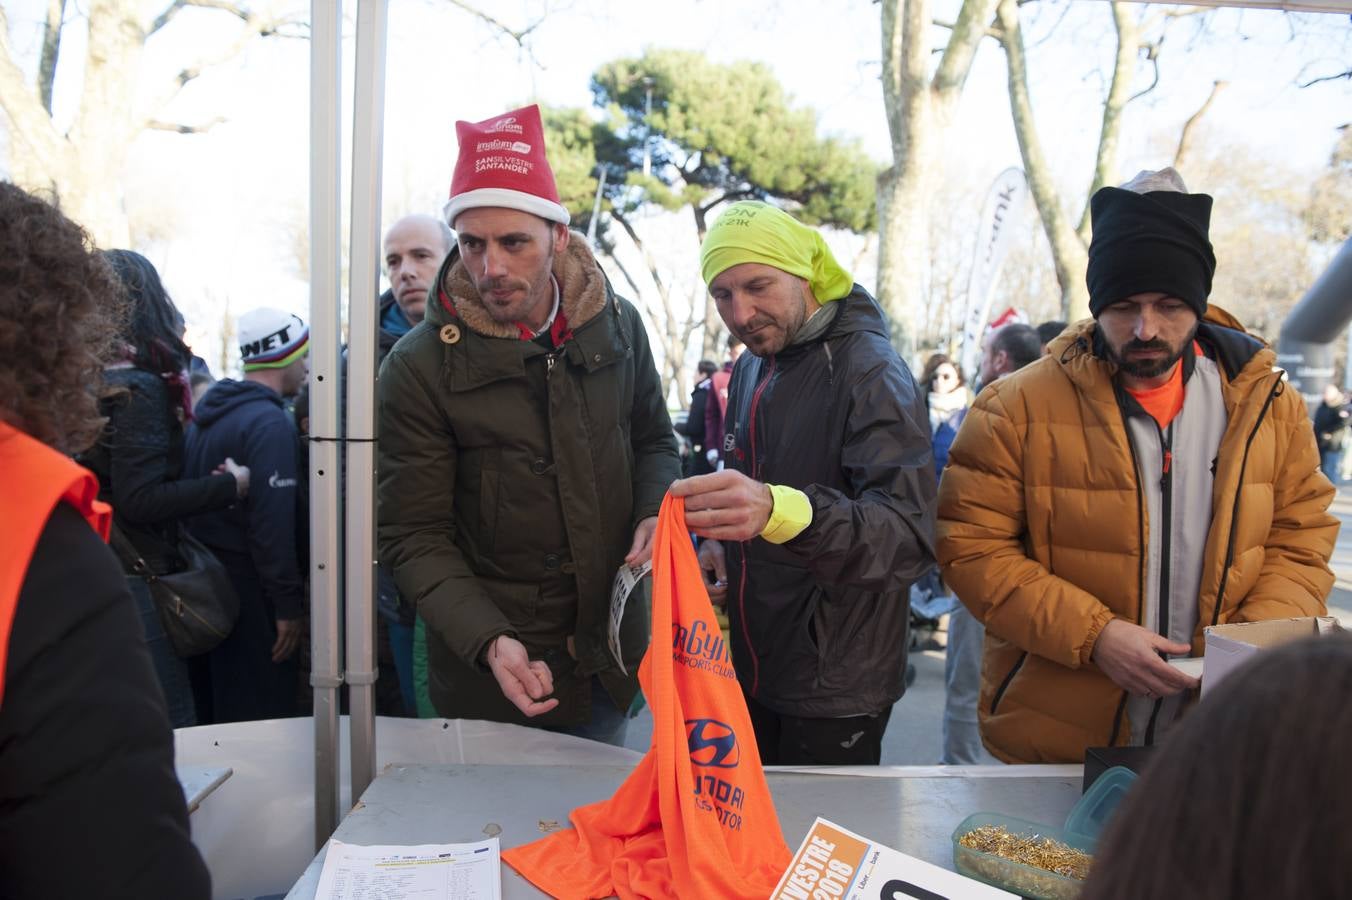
326 671
368 123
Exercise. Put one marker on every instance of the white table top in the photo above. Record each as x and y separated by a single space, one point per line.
914 810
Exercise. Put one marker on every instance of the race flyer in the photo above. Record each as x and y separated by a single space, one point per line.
834 863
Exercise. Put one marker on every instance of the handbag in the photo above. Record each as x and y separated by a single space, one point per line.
197 605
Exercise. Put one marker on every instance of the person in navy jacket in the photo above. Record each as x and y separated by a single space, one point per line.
253 673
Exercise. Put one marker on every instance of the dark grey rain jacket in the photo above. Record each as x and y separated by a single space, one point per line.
819 623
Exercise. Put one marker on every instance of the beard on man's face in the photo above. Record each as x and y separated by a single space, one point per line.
1151 366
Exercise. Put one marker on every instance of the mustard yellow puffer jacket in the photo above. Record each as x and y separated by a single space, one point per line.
1042 532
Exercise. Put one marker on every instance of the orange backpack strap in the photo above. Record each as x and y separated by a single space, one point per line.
34 478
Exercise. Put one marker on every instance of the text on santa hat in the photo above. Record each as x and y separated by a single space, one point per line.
505 163
492 146
506 124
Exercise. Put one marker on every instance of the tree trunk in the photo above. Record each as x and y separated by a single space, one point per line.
1185 137
919 113
105 122
1119 94
1069 255
714 343
903 189
51 49
83 170
37 152
670 334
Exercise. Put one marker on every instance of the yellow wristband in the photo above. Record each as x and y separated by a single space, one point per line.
791 513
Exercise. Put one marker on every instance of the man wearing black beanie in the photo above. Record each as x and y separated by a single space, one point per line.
1149 477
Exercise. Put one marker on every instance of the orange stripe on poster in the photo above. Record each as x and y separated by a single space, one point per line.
824 867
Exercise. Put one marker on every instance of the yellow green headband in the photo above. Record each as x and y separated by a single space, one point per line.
751 231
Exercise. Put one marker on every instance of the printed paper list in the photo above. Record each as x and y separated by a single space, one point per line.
423 872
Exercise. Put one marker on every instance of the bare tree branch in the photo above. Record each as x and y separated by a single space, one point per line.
1124 68
31 122
177 6
518 35
165 17
642 248
1152 54
674 346
157 125
255 25
1313 81
609 251
1180 12
1185 137
972 25
51 49
1065 10
1068 251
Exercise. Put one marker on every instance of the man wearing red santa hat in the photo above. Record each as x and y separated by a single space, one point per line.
525 448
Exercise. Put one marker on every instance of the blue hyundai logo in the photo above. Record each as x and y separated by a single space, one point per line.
712 744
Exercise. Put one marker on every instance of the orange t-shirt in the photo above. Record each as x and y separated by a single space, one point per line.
1165 402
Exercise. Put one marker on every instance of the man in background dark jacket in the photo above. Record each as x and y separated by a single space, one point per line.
824 513
717 407
697 463
252 674
1330 431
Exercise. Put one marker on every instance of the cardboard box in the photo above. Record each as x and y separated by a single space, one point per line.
1229 646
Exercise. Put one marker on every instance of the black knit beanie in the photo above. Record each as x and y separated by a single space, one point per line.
1155 241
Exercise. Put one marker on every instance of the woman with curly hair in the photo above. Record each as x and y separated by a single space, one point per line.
139 456
86 751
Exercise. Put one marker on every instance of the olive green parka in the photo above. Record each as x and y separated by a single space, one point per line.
511 479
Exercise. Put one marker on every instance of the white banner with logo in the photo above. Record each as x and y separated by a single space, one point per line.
1004 203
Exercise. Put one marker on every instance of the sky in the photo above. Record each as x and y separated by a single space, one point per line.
230 205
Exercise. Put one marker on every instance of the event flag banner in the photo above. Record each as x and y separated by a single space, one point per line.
695 818
833 862
1003 203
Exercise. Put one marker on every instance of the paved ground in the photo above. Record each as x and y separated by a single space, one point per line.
913 734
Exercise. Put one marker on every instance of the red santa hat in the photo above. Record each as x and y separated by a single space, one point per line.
502 163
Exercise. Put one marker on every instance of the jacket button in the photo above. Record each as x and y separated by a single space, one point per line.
596 358
450 334
551 562
539 467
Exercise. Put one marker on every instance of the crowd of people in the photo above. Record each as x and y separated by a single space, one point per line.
1105 491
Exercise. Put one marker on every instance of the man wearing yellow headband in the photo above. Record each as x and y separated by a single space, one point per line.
824 513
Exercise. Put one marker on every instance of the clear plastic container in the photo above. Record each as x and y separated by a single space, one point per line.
1027 881
1091 814
1082 828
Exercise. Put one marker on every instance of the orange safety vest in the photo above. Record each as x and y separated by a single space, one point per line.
34 478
